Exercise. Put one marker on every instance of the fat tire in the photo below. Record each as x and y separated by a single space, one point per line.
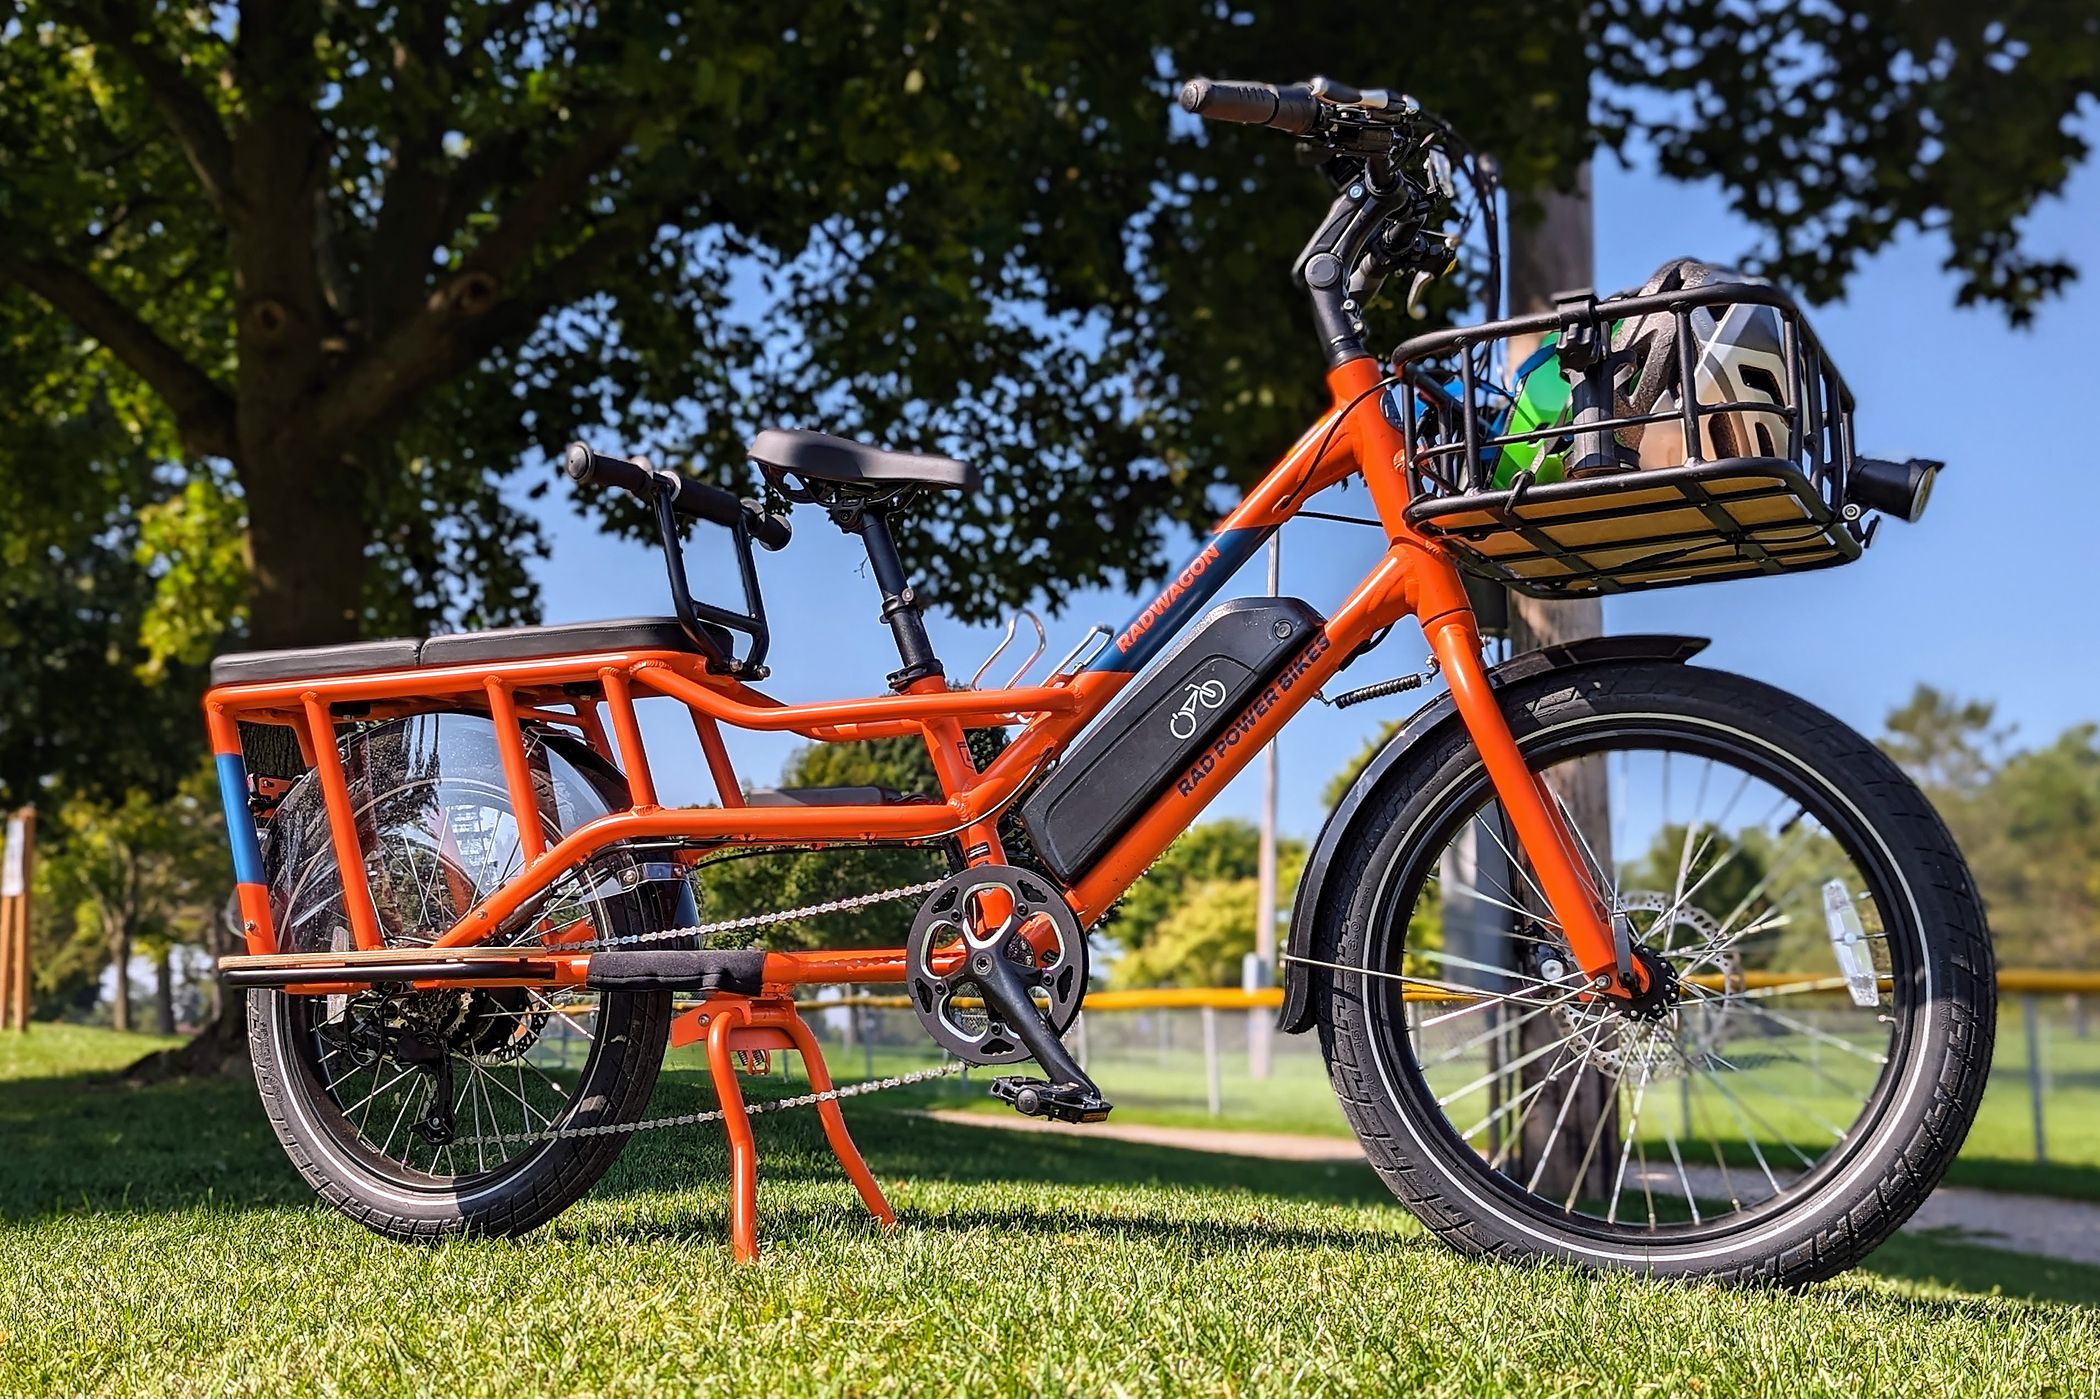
516 1198
1909 1144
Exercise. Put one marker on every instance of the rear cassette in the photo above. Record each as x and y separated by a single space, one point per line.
959 925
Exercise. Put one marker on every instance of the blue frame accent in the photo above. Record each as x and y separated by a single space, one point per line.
240 822
1195 584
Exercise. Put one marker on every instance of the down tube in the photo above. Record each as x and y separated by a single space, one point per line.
1374 605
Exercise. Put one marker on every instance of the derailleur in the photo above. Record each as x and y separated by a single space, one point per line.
423 1031
997 968
427 1052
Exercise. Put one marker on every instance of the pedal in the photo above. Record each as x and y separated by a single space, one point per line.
1060 1102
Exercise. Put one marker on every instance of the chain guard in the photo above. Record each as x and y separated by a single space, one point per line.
1057 980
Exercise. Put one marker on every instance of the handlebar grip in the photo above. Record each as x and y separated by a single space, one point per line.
588 468
1291 109
695 498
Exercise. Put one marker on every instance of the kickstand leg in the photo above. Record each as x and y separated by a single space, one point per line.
731 1024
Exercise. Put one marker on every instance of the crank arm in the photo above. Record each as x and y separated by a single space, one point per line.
1005 996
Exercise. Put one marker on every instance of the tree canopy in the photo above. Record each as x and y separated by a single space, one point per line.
2027 820
353 264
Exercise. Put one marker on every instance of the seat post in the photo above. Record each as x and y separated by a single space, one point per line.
900 605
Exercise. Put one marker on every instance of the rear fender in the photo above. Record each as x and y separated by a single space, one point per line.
1310 902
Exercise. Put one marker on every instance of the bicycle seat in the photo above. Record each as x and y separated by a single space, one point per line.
466 648
841 461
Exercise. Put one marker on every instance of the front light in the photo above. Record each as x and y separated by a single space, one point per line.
1894 488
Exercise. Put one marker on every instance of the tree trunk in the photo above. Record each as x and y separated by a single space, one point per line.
120 968
164 990
221 1047
306 542
1556 253
307 533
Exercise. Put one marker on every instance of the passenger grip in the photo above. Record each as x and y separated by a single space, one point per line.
740 971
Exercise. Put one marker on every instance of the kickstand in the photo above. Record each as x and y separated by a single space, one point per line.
730 1024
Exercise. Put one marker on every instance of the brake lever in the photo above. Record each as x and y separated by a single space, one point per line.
1425 276
1437 166
1415 290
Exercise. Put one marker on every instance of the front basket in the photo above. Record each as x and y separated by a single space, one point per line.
1660 524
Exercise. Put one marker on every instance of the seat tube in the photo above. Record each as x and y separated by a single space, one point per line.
1543 837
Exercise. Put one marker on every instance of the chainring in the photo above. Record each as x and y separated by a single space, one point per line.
949 1005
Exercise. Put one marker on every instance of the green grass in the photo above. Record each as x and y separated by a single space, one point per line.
1166 1087
154 1240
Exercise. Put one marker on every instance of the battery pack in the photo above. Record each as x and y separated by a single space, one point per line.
1158 727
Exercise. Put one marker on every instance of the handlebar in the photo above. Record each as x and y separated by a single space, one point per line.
1292 108
688 497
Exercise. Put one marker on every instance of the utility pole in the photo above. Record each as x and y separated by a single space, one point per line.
1557 253
1261 969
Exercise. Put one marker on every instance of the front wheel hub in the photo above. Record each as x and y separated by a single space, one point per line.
1659 997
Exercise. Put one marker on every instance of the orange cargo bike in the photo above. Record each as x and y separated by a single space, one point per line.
1613 959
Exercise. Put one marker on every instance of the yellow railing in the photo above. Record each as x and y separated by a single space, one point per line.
2028 984
2014 981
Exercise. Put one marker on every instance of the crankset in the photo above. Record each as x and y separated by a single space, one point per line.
997 967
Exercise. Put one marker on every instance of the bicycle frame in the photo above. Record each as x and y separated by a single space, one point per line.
1414 577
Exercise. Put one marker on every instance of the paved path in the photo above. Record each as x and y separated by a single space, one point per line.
2034 1224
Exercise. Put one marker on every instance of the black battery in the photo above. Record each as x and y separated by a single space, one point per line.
1158 726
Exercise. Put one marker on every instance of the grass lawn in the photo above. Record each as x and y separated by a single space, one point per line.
155 1240
1165 1086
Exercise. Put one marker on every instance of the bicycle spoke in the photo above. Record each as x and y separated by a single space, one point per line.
1545 915
1511 1067
1683 1178
1560 1119
1633 1124
1637 1100
386 1148
1486 1035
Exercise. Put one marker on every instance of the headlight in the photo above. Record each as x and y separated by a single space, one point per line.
1894 488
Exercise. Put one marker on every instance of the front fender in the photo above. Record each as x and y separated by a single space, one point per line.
1297 1012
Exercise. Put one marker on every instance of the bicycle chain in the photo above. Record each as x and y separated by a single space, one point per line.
696 1119
756 920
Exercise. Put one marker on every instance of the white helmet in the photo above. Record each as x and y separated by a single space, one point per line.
1738 356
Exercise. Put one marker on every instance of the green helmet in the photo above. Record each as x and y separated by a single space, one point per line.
1541 402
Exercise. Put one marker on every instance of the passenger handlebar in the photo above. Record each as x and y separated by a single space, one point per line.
688 497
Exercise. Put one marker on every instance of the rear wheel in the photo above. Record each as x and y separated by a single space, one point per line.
429 1113
1822 1035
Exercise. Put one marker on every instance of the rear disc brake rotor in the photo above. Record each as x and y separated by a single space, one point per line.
1039 937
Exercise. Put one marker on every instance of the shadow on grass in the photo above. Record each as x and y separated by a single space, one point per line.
91 1142
87 1143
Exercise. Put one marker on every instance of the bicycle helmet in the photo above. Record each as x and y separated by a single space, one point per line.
1739 356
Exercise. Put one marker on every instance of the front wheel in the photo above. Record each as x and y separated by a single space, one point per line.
1823 1023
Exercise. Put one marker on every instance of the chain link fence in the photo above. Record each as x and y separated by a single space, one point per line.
1179 1061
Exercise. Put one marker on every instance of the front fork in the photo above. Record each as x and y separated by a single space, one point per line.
1435 592
1565 876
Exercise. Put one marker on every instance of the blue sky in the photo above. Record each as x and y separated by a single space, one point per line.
1993 595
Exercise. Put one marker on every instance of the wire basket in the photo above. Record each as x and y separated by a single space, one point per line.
1717 487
